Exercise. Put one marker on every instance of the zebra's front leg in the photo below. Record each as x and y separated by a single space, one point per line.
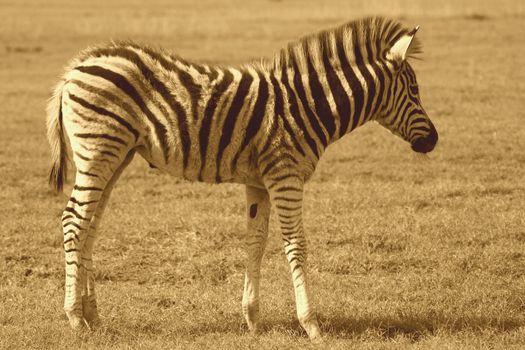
258 212
288 199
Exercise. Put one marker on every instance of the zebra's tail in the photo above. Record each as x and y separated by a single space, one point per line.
55 136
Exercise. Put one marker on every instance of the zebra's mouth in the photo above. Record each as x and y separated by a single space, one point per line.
426 144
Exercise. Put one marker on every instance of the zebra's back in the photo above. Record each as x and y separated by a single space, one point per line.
200 122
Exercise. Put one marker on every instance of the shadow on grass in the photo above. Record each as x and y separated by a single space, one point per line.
413 327
410 327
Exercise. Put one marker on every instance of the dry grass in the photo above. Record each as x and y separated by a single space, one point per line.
405 252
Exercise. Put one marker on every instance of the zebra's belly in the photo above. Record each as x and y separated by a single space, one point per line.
196 171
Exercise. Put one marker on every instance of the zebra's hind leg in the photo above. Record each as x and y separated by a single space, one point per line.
93 175
258 210
89 301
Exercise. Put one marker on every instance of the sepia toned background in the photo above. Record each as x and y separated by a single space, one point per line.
405 252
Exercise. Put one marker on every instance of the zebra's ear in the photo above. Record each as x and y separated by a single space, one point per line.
404 47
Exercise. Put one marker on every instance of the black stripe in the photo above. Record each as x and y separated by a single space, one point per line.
288 189
380 79
213 74
70 240
401 102
338 92
108 153
108 96
229 122
420 128
281 146
298 84
296 267
287 199
279 114
408 119
82 188
361 65
268 167
296 249
269 140
388 87
286 208
194 90
87 173
286 226
75 213
294 112
396 37
71 223
105 112
102 136
97 147
199 68
322 107
123 84
287 218
404 117
168 97
277 180
209 111
76 201
97 121
259 109
82 156
353 83
68 216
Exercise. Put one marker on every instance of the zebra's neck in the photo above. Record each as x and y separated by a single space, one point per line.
325 100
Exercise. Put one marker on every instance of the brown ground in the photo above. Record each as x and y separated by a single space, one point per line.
405 252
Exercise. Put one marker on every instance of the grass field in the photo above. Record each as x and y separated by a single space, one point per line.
405 252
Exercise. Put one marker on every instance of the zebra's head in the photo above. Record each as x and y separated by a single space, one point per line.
403 113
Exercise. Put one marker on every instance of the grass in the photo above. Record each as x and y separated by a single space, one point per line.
405 252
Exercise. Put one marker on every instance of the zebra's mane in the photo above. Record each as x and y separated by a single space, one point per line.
378 33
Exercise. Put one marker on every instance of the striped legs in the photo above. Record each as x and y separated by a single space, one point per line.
80 220
89 302
287 197
258 210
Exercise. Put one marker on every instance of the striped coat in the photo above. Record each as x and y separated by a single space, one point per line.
263 125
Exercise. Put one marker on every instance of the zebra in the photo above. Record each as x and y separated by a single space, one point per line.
264 125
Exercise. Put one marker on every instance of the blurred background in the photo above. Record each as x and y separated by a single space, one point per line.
405 252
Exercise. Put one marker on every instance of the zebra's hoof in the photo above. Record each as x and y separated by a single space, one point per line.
254 329
90 313
78 324
93 323
317 340
312 329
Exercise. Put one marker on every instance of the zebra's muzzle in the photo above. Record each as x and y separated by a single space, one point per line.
426 144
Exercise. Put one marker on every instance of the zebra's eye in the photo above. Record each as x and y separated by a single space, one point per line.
414 90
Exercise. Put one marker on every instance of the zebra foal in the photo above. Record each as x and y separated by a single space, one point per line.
263 125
